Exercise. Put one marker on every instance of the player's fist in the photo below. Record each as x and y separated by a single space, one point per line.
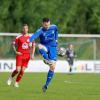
32 57
30 44
18 53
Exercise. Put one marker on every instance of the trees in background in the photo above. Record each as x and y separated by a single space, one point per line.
71 16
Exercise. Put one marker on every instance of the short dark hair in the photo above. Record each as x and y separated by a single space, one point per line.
45 19
25 25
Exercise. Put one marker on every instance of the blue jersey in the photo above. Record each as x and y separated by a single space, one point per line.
47 36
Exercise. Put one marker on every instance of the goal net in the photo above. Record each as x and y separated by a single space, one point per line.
86 46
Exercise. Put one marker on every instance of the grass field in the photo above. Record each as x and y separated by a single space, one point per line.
63 87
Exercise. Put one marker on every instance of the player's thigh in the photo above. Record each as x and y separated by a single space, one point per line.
25 61
18 68
18 63
52 66
52 53
23 68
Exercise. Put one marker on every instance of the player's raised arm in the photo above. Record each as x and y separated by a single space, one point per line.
35 35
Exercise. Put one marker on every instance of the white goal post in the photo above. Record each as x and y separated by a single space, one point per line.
60 35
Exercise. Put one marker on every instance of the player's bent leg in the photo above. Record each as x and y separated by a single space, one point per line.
43 51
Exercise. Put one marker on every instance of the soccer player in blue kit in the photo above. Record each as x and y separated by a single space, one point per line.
48 35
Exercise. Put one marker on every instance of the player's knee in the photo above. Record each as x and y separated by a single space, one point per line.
40 46
23 69
52 66
18 69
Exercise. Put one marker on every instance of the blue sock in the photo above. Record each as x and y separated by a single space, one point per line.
44 54
49 77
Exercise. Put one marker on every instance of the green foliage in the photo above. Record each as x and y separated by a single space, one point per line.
71 16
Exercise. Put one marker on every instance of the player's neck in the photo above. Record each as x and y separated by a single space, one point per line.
46 28
25 34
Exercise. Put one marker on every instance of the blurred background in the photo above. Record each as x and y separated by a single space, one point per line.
71 17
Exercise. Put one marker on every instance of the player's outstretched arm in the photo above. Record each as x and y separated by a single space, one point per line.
35 36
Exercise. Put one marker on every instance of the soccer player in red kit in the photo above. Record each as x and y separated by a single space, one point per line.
22 50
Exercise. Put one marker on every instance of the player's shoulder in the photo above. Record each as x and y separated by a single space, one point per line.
39 29
20 35
53 26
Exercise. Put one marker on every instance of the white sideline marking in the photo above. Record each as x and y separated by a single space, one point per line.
67 81
82 83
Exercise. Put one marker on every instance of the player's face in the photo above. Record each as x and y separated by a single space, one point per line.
46 24
71 47
25 29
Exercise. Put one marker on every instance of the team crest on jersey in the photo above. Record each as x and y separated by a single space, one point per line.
25 45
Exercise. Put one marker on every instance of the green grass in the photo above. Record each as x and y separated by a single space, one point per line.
63 87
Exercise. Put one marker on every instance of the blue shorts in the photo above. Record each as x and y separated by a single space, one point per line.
52 52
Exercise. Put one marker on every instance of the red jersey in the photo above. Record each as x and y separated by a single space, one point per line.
22 43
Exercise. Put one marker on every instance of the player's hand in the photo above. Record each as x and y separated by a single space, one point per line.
30 44
32 57
18 53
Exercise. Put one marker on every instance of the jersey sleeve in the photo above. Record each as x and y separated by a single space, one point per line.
15 41
35 35
56 34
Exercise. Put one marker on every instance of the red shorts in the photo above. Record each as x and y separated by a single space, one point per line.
22 60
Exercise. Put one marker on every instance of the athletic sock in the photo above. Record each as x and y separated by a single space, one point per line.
49 77
14 73
19 77
70 69
44 54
